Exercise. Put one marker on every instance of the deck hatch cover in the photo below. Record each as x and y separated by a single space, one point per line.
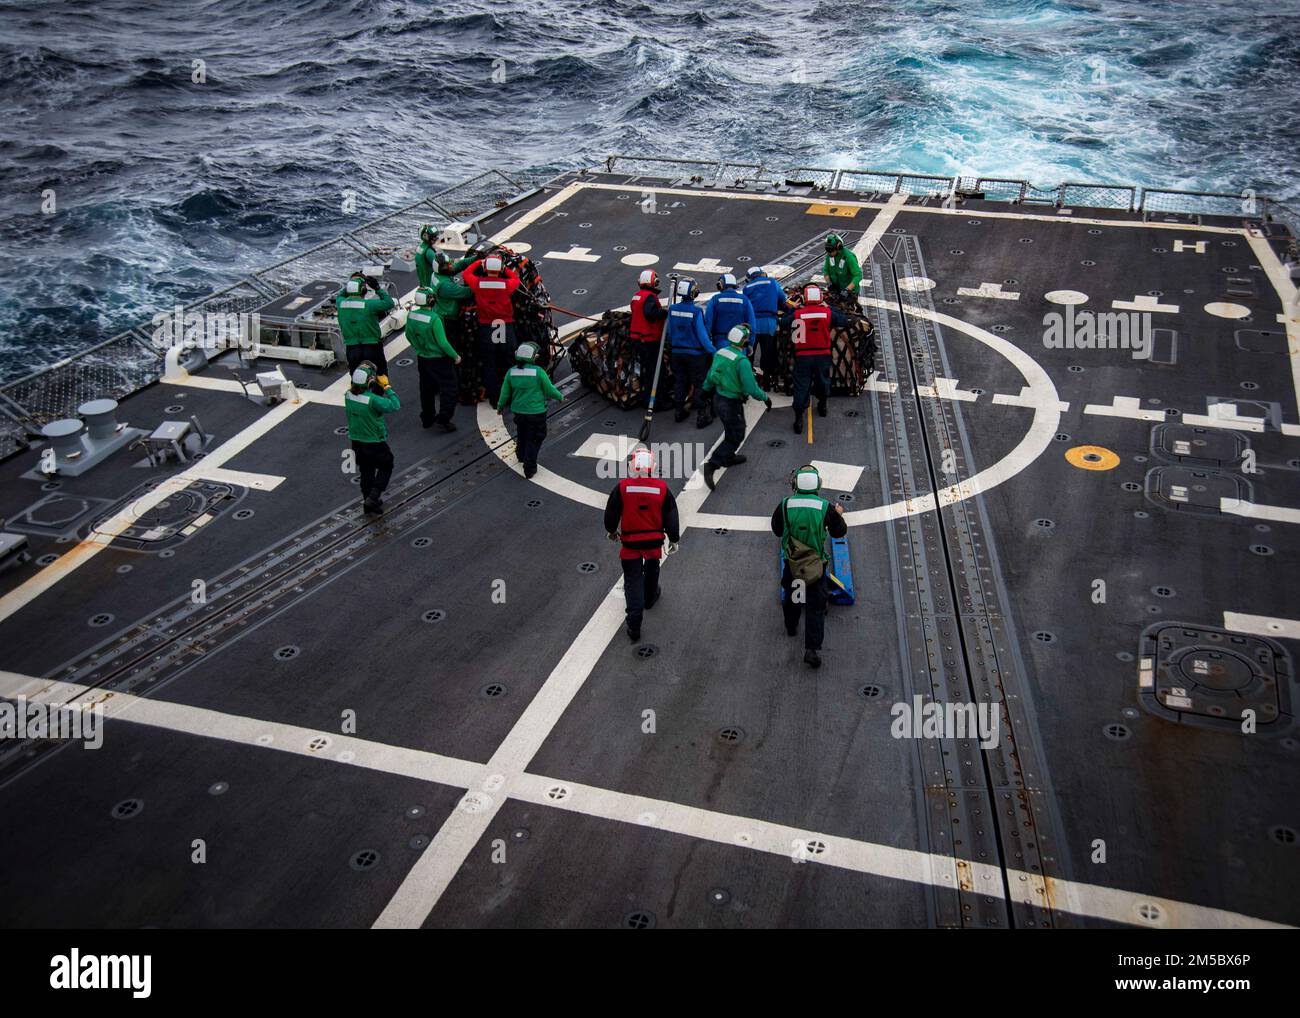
1182 489
176 518
1211 677
1192 446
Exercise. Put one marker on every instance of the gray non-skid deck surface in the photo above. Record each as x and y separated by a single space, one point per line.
957 605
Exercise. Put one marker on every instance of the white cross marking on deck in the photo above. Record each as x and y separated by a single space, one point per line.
703 265
476 810
1255 511
1144 302
614 448
1124 406
1026 397
993 290
574 254
1261 625
946 388
874 384
1197 245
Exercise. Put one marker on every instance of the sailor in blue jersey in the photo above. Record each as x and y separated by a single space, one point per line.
692 352
767 297
726 309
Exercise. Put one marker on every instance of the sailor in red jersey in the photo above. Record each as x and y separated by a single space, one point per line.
810 333
494 286
648 316
641 512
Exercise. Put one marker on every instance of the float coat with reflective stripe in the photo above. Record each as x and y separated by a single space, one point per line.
647 316
526 389
359 317
726 309
426 335
686 331
810 330
731 375
643 510
365 412
492 294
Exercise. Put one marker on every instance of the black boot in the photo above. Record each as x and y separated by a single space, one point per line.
708 475
798 423
812 659
821 408
679 416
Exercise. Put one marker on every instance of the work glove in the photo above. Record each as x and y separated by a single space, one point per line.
383 381
372 282
768 402
672 547
613 536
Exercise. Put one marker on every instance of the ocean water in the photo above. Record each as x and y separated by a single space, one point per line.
165 188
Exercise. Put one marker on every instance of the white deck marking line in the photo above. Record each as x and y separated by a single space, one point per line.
1025 397
1144 302
874 384
703 265
259 482
426 881
883 221
946 388
838 476
1289 295
1255 511
1125 406
574 254
1224 415
1198 246
741 832
1261 625
180 717
992 290
528 218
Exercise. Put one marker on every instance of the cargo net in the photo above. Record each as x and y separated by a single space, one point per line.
111 370
604 356
853 350
533 324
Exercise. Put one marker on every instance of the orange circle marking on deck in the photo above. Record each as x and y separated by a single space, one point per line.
1092 457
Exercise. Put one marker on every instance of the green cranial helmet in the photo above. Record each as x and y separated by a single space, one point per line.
428 233
424 297
527 352
834 242
739 335
806 480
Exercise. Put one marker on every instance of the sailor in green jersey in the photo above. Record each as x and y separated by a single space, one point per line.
525 392
731 381
841 268
449 296
435 361
802 521
365 403
427 257
361 306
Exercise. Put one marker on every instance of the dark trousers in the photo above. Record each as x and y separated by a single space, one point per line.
495 356
530 433
812 371
814 596
647 356
372 352
640 587
765 342
375 463
437 378
690 369
731 412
